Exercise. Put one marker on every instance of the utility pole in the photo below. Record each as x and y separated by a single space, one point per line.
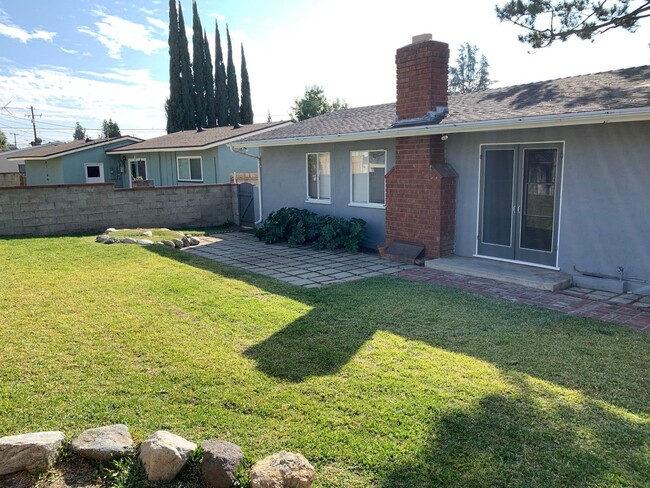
15 145
37 141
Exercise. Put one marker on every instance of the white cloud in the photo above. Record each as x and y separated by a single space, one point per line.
218 16
160 24
68 51
116 33
15 32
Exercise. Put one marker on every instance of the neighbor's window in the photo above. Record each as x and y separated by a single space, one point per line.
138 169
368 170
190 169
318 177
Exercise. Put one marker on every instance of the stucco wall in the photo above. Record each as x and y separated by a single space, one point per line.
604 215
63 209
284 182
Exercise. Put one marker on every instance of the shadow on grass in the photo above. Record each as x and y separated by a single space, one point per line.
604 361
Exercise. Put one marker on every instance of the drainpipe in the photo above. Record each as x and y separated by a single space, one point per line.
243 152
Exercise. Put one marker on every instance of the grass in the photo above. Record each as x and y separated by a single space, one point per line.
379 383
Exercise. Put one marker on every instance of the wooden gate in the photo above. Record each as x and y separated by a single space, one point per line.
246 205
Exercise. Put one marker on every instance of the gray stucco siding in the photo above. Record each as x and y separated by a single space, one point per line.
284 182
605 199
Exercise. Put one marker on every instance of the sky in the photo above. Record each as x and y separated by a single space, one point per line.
86 61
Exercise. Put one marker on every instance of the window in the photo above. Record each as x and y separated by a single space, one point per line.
318 177
93 171
190 169
368 169
138 169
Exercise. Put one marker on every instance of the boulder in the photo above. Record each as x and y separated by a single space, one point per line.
34 452
220 462
144 242
283 469
167 242
104 443
164 454
109 230
186 241
147 233
194 241
178 244
111 240
101 238
127 240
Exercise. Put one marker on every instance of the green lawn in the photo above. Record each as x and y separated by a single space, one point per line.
381 382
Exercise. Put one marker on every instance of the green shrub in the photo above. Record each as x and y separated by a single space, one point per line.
299 226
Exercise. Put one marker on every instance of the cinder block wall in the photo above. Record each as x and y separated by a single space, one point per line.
65 209
9 179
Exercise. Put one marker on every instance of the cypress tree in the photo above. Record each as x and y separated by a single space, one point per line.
198 69
246 109
233 90
174 104
221 90
187 86
210 104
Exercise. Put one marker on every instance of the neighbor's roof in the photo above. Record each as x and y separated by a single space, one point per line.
57 150
566 101
194 140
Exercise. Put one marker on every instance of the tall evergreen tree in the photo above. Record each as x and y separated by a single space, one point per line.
210 104
233 90
246 109
221 89
198 69
187 85
174 104
79 133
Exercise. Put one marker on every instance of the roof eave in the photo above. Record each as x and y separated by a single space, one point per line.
72 151
585 118
126 150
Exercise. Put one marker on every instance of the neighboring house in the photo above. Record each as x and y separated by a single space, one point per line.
12 172
74 162
190 157
554 174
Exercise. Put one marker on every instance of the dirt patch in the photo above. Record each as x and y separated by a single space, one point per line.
67 474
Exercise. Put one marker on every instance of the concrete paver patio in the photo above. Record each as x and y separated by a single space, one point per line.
301 266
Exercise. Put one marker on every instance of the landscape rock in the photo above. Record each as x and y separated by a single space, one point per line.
283 469
101 238
34 452
194 241
127 240
104 443
111 240
147 233
186 241
167 242
164 454
158 243
220 461
178 243
144 242
109 230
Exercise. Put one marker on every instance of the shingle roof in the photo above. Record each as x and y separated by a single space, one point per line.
611 90
193 139
55 149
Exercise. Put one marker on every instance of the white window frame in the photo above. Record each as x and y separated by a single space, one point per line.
367 204
325 201
178 168
101 173
146 168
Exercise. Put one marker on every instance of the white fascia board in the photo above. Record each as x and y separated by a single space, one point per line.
585 118
72 151
211 145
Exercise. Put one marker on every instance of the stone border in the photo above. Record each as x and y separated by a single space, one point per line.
184 240
163 455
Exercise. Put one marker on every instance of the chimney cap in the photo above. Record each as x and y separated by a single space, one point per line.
422 38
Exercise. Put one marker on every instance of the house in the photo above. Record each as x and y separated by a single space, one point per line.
554 174
76 162
12 172
190 157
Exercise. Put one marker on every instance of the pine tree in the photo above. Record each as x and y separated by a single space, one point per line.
233 90
221 89
187 86
79 133
246 109
110 129
198 69
174 104
469 75
210 104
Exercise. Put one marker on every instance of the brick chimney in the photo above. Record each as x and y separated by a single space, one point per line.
421 187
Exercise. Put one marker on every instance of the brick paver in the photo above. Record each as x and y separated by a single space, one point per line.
628 310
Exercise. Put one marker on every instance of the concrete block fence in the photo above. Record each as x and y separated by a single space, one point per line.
65 209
